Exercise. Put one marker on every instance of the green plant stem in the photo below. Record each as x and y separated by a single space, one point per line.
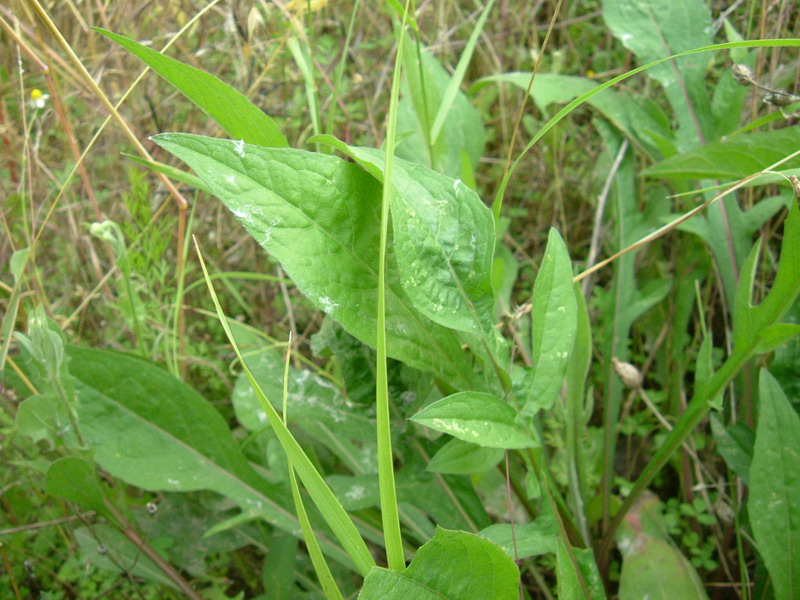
388 494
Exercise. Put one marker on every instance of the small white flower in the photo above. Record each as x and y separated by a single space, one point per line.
38 99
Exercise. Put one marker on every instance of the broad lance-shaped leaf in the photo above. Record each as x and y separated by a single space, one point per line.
478 418
554 324
443 238
319 216
453 565
151 430
775 487
732 158
234 112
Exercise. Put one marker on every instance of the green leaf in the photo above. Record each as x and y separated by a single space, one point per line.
324 499
319 216
234 112
150 430
278 574
462 458
522 541
43 417
477 418
554 325
75 479
775 487
652 567
732 158
453 565
170 171
776 335
17 266
444 242
656 570
735 445
569 583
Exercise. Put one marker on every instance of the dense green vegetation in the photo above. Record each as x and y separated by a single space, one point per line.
459 300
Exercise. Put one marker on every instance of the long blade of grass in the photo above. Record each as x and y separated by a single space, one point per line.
458 76
321 568
302 58
318 489
388 493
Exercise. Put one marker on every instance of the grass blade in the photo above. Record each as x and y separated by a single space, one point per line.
458 76
323 497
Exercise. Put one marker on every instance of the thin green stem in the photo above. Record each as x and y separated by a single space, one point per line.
388 493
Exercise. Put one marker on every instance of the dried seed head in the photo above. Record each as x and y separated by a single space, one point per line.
630 375
781 99
742 74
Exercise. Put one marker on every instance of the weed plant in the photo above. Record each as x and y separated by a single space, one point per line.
450 300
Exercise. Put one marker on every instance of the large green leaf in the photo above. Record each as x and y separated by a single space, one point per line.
775 488
653 29
239 117
150 430
453 565
733 158
554 321
318 215
444 242
477 418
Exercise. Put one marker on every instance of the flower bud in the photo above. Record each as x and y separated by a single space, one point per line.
630 375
